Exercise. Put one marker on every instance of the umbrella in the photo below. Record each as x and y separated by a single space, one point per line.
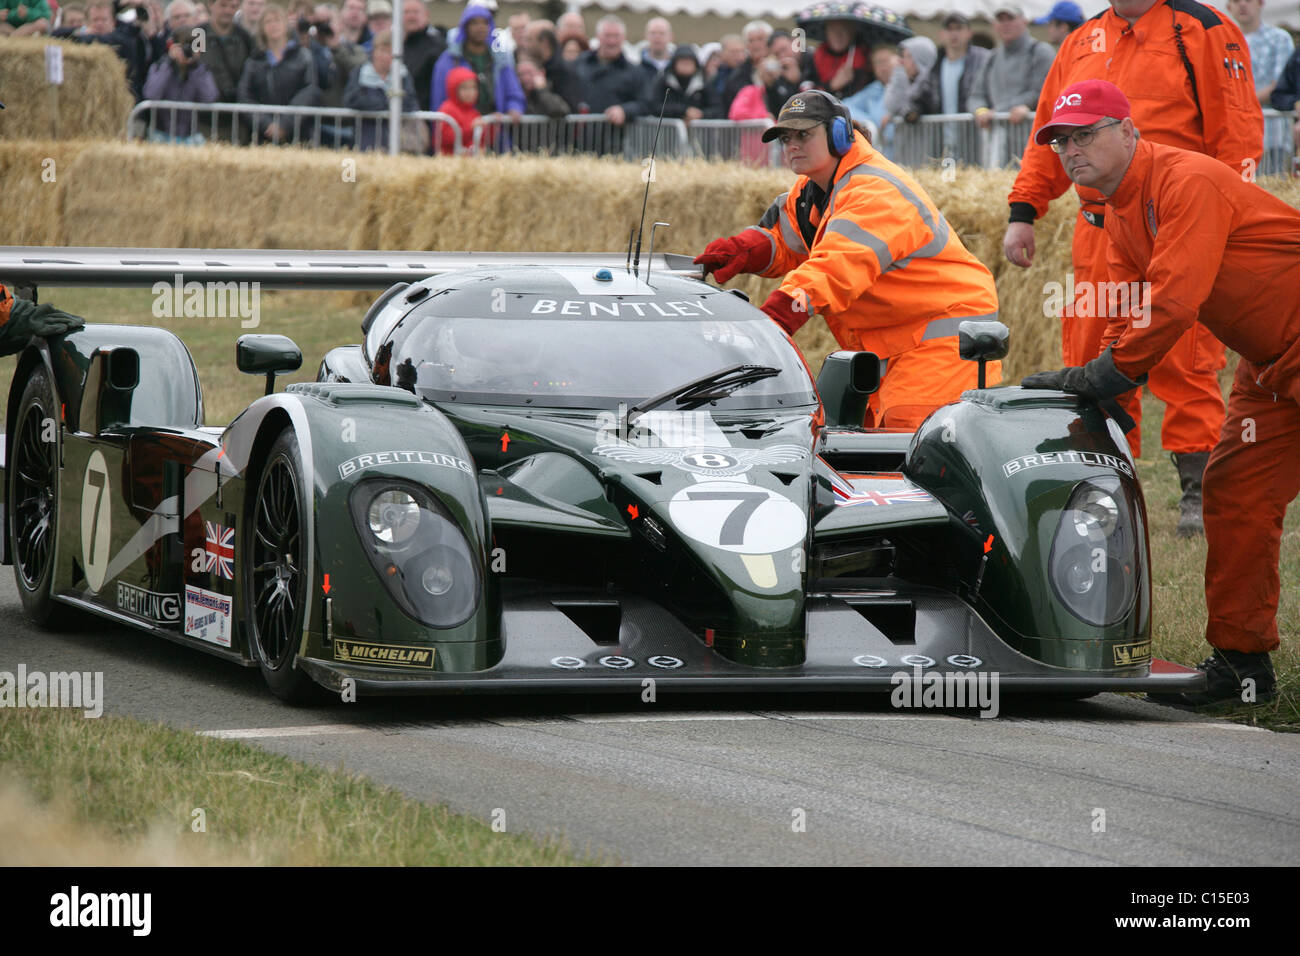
874 24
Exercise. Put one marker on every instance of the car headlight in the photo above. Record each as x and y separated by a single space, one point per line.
1093 565
417 550
393 517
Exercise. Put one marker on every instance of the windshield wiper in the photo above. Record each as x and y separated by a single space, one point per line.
707 388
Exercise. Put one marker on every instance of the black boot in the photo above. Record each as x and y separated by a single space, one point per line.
1191 467
1226 673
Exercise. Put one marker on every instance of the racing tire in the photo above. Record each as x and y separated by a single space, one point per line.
275 583
33 502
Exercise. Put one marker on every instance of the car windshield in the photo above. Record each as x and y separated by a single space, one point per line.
595 363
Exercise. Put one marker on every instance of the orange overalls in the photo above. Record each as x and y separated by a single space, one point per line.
879 261
1225 251
1219 117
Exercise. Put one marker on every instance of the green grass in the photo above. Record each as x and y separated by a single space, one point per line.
116 785
318 321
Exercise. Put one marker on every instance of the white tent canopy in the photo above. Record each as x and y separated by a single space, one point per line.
1279 12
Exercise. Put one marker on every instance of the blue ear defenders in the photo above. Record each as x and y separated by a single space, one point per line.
839 132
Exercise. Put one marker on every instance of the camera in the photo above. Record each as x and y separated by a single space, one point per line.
317 28
130 12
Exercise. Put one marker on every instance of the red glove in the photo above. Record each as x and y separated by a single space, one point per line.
786 312
751 251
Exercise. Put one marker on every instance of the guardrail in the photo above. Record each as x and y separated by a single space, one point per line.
315 126
943 139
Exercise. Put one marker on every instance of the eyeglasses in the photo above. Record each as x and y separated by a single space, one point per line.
794 136
1080 137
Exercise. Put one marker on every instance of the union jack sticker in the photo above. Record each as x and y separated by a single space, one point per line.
844 496
219 556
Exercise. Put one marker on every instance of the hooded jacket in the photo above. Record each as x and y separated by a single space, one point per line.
681 95
507 94
463 114
900 90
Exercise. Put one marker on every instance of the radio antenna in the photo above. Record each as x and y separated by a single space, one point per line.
650 175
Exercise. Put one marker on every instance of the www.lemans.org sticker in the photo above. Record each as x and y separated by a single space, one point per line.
713 462
391 655
1096 459
207 615
361 462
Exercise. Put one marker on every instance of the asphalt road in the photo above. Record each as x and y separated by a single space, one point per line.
753 779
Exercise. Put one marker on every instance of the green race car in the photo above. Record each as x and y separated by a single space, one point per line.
556 473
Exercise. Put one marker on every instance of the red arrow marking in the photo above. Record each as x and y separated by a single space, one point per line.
326 585
632 510
505 440
988 545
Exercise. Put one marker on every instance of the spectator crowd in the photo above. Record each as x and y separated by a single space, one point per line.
322 54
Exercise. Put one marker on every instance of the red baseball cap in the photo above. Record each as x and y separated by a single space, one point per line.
1083 104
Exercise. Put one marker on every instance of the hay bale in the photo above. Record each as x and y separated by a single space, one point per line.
35 175
130 194
94 99
270 197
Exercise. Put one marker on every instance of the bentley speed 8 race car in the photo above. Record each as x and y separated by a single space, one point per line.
557 472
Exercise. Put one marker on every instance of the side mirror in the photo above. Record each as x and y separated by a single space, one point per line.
846 382
271 355
983 341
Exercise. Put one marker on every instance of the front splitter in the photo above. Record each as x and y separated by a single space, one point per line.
545 651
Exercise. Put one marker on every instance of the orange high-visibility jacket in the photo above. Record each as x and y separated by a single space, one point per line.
880 262
1214 248
6 303
1144 61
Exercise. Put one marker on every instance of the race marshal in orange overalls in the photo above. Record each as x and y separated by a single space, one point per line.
858 241
1222 251
1185 69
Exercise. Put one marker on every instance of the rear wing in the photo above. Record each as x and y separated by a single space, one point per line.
106 267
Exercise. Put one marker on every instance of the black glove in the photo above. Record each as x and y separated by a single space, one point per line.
45 319
27 319
1098 380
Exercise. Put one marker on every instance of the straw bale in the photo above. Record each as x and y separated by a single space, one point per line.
269 197
94 99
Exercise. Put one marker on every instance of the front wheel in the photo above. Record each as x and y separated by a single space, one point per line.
33 496
275 590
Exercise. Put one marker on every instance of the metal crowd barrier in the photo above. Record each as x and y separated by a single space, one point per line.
740 141
958 138
580 133
933 140
315 126
1279 146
